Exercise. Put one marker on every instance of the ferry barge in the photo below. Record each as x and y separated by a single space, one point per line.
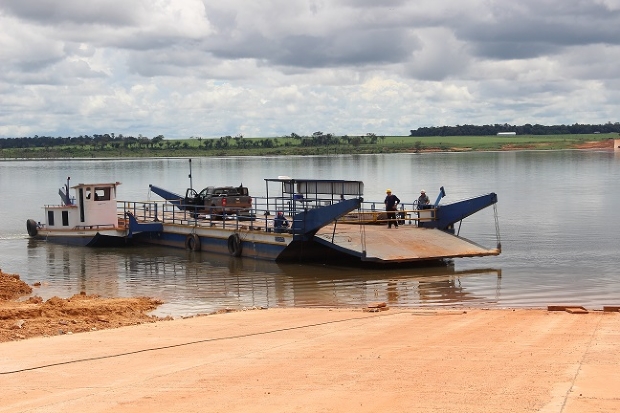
327 220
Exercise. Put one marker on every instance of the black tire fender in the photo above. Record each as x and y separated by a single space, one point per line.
192 242
234 245
31 226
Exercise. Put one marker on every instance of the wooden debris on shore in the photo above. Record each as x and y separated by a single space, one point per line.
572 309
376 307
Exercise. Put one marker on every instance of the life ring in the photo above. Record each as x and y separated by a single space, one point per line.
31 226
192 242
234 245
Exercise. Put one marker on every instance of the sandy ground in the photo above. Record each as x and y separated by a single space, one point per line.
321 360
311 360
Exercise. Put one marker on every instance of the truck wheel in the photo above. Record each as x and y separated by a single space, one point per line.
234 245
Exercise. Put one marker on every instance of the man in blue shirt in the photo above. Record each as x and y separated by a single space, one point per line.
280 223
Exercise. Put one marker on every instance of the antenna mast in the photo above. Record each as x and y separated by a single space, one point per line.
190 174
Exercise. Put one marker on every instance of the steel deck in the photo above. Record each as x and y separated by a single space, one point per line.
406 243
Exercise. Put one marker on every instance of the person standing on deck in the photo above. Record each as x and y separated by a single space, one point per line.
391 203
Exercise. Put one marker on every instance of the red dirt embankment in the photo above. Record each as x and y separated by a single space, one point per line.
34 317
606 144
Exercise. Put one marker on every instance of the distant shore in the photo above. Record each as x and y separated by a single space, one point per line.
289 147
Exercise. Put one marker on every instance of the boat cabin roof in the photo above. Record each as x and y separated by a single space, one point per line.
108 184
319 186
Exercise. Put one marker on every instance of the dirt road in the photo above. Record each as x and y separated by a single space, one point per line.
320 360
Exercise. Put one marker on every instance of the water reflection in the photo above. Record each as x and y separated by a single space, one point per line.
72 270
192 283
449 289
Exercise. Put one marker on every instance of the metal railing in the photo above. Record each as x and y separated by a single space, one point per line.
375 213
258 218
262 213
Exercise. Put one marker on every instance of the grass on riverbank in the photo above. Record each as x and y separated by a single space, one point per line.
290 146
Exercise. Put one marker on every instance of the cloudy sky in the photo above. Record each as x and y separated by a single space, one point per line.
211 68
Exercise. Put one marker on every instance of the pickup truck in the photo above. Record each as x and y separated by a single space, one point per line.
213 200
219 200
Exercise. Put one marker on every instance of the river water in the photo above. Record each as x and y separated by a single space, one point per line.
558 216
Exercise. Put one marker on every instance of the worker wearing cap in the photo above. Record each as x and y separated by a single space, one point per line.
391 204
423 200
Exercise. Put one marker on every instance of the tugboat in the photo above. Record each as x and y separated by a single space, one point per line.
88 218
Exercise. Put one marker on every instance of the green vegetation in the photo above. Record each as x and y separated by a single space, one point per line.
521 130
109 146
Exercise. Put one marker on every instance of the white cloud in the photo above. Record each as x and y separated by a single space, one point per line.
211 68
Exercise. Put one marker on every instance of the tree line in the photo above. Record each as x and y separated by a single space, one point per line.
527 129
111 141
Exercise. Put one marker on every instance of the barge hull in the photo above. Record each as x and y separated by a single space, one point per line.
252 244
84 238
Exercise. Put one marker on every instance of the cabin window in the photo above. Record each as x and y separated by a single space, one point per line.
102 194
87 192
81 195
50 218
65 218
